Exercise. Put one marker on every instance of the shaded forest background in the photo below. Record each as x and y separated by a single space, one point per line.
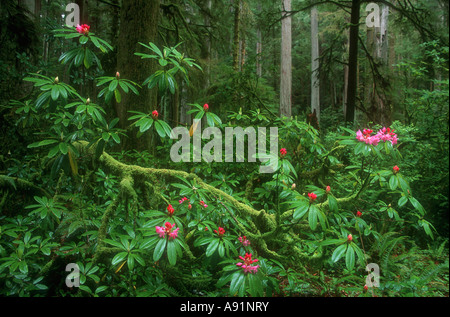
321 64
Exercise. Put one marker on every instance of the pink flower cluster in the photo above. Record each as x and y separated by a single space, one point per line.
182 200
83 29
247 265
203 204
245 242
283 152
167 229
385 134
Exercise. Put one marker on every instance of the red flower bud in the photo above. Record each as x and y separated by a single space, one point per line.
205 107
312 197
395 169
283 152
328 189
349 238
358 214
170 210
155 114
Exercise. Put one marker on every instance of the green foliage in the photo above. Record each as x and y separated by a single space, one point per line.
153 227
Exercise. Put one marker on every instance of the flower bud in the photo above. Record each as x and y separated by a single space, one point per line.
395 169
155 114
117 75
349 238
88 101
56 80
328 189
205 107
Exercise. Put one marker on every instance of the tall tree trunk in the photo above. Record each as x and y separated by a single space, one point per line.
236 40
138 23
315 85
353 62
259 46
286 61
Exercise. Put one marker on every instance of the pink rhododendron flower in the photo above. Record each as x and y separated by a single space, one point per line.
367 138
247 265
245 242
387 134
83 29
283 152
174 233
182 200
167 229
384 134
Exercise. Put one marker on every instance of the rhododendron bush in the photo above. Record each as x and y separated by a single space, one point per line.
137 224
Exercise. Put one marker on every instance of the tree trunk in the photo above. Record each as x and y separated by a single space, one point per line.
259 46
353 62
286 61
315 85
138 23
236 41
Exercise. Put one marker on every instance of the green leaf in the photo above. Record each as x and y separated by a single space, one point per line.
393 182
159 249
83 39
113 85
350 258
63 148
338 252
55 92
312 217
402 201
119 257
171 252
212 247
301 210
332 203
237 280
160 129
255 285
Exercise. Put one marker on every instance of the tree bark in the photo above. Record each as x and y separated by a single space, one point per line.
286 62
138 23
353 62
315 84
259 46
236 40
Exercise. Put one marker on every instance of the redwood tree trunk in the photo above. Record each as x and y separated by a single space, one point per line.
353 62
138 23
286 61
315 85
